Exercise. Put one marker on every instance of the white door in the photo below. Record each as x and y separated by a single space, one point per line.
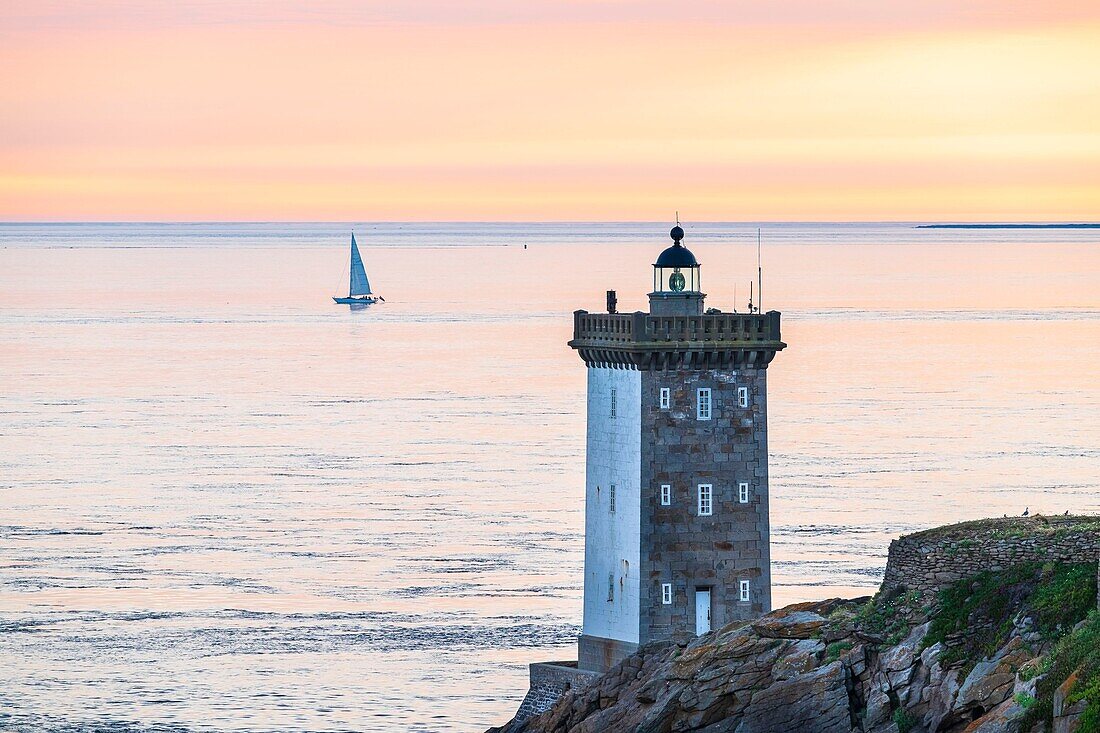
702 610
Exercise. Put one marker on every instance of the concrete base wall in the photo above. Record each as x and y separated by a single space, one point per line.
597 654
549 681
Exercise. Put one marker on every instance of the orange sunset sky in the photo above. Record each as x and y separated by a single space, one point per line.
550 110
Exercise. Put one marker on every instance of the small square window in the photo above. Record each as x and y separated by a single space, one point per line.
611 498
666 495
666 593
666 398
706 500
703 403
745 591
614 401
743 396
743 492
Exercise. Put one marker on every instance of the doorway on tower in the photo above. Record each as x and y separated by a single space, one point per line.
702 611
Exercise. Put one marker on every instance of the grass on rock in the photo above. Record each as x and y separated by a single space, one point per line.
977 614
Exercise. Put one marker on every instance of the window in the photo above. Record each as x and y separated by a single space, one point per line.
610 587
666 495
706 504
703 403
743 492
614 401
666 398
743 396
666 593
744 591
611 497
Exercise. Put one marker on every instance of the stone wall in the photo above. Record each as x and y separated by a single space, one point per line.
931 560
549 681
679 546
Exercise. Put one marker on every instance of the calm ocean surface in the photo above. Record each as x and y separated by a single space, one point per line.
227 504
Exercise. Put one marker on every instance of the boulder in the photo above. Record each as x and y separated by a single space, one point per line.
939 692
789 624
1067 718
992 681
816 702
899 663
799 658
1002 719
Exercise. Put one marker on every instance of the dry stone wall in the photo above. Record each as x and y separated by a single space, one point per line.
929 561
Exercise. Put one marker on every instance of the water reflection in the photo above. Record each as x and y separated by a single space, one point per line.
230 505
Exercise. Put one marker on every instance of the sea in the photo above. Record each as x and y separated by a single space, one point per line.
229 504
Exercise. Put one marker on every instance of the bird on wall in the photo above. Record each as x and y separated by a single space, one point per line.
1027 511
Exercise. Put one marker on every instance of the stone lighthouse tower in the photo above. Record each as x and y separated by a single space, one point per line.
676 497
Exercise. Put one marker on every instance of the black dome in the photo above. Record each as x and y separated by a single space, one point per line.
676 256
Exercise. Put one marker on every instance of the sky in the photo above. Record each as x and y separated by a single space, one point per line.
511 110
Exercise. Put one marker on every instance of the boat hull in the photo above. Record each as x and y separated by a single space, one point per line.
357 301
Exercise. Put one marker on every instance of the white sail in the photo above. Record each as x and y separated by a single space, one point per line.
359 284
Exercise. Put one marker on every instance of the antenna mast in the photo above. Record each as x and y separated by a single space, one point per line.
759 276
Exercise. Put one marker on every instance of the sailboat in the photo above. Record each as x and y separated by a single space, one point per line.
359 287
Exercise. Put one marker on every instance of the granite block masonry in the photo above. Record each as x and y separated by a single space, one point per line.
679 546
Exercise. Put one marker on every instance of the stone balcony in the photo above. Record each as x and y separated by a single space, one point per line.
643 341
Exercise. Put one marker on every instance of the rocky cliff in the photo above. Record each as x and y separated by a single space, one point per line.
1005 650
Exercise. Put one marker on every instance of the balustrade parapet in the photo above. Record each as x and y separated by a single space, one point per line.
641 328
643 341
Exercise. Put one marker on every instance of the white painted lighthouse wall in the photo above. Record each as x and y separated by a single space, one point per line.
612 539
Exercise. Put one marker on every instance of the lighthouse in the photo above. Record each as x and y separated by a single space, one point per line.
676 479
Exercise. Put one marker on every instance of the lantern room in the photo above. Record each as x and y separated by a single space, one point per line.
677 287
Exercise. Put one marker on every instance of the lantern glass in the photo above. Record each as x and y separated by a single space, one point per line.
676 279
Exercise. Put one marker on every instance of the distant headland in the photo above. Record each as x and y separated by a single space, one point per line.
1092 225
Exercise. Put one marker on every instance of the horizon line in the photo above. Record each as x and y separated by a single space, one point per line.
962 222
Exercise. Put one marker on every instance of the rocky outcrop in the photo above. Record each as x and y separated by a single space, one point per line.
750 678
839 666
778 675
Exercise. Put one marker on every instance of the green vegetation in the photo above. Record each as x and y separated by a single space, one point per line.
975 617
1066 531
1024 700
904 721
1065 596
888 616
834 650
1077 652
982 608
978 613
1011 528
1029 672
